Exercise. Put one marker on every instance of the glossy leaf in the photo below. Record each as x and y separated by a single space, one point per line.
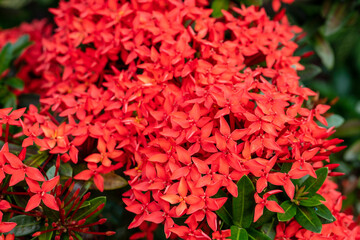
312 201
238 233
257 235
324 212
290 211
25 225
307 218
244 204
312 185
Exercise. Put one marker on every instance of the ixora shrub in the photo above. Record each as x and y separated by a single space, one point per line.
204 116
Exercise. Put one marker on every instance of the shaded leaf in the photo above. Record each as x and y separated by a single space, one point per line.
66 170
244 204
307 218
5 57
15 82
84 212
257 235
25 225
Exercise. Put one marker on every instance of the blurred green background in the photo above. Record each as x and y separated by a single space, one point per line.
333 33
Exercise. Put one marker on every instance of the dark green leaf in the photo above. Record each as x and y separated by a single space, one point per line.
269 228
25 225
5 57
224 211
66 170
238 233
311 201
312 185
15 82
217 6
47 235
307 218
10 100
290 211
36 160
252 2
257 235
94 203
324 212
20 45
244 204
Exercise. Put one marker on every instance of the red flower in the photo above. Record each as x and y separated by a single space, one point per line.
41 194
263 202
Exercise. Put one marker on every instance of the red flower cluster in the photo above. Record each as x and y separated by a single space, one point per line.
186 103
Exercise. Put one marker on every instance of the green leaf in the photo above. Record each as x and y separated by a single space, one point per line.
257 235
66 170
324 212
15 82
113 181
353 152
5 57
244 204
290 211
269 228
25 225
312 185
36 160
50 173
307 218
312 201
47 235
20 45
217 6
252 2
310 71
325 52
224 214
94 203
334 120
9 100
238 233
